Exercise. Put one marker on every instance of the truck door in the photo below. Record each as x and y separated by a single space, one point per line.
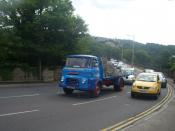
95 67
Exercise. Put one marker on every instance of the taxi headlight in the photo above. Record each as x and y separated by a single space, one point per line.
84 81
134 86
152 88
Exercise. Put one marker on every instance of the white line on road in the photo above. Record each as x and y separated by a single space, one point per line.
16 113
29 95
87 102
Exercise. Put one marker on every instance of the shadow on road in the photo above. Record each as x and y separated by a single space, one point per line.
105 92
145 98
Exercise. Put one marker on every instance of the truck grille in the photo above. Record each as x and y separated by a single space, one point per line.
72 82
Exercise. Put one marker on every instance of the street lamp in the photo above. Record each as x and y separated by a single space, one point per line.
122 49
133 46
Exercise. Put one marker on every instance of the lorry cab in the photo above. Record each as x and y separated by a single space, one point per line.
81 72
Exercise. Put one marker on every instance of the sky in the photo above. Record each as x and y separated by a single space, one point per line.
140 20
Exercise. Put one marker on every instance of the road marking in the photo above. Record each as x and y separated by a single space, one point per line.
87 102
132 120
16 113
29 95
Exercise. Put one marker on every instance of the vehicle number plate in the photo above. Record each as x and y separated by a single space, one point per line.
142 91
71 87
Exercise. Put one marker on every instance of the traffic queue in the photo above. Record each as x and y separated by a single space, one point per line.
146 83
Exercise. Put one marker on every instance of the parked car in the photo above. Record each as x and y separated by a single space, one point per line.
146 84
163 79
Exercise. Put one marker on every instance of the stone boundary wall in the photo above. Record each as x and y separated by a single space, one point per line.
47 75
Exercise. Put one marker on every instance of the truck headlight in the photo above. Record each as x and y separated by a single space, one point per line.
62 78
83 81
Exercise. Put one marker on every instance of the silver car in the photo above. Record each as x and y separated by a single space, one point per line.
128 75
163 79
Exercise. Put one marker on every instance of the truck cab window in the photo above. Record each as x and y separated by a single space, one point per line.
95 63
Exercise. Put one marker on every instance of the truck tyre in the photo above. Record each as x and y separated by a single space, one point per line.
97 90
68 91
119 84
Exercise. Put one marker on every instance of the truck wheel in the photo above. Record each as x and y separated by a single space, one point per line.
119 87
96 92
68 91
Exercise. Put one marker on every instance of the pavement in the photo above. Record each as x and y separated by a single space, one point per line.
163 120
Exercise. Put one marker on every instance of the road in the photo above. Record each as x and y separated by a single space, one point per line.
44 107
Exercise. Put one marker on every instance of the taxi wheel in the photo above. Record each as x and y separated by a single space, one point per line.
133 95
156 96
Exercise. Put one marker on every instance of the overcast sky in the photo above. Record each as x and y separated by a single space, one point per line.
141 20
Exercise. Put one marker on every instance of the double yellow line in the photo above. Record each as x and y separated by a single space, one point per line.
132 120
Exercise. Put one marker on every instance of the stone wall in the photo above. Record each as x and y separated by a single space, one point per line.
57 73
18 75
47 75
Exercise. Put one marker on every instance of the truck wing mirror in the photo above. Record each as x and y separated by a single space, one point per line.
96 64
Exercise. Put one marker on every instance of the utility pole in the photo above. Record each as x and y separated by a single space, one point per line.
122 49
133 46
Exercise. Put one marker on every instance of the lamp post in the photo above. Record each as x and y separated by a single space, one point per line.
133 53
122 49
133 46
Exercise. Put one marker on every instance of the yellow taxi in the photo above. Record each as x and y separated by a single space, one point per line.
146 84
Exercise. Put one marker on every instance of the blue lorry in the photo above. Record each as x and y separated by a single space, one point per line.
87 73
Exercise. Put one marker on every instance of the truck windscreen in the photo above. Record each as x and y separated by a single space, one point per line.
78 62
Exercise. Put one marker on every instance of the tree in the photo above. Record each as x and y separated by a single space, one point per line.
47 30
142 58
172 63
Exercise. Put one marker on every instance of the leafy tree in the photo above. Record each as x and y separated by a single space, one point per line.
142 58
46 30
172 63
